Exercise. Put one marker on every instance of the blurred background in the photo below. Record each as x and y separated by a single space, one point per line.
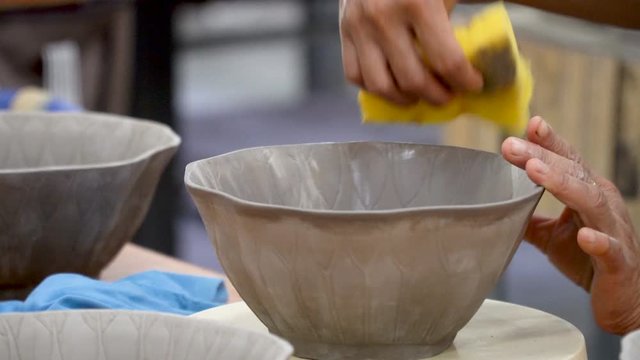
234 74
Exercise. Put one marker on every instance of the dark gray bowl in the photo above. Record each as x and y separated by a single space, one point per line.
74 188
363 250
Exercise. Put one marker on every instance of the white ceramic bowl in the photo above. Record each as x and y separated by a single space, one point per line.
128 335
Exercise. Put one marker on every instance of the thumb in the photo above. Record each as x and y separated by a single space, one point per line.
605 251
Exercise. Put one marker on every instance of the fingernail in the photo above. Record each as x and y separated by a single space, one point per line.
518 147
543 129
542 168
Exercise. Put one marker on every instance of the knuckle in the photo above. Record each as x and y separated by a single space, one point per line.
382 87
573 155
564 186
353 76
555 145
578 171
535 151
437 101
351 20
352 16
605 183
435 98
600 200
561 147
608 186
412 84
377 10
452 66
411 6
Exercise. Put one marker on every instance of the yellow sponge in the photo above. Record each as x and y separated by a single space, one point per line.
489 43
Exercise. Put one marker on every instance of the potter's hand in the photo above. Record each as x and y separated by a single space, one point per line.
379 51
593 242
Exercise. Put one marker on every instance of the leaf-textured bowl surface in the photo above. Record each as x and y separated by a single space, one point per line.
363 250
128 335
75 188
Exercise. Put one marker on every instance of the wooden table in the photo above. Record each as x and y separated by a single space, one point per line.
134 259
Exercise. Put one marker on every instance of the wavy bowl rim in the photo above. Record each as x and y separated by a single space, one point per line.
174 141
535 194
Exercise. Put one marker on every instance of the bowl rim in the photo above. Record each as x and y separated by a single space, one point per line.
174 140
535 193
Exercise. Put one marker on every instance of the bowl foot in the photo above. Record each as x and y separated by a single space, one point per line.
321 351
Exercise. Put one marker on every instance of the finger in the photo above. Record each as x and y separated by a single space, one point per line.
539 231
541 133
350 63
605 251
433 29
518 152
411 75
434 92
587 199
376 75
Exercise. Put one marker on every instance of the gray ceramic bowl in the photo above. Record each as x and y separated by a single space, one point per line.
363 250
128 335
74 188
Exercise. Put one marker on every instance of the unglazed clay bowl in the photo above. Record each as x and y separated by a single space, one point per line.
363 250
129 335
74 188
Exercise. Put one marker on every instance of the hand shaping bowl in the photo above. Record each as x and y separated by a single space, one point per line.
363 250
74 188
129 335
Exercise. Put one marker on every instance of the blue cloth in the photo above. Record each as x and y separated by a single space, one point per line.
146 291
